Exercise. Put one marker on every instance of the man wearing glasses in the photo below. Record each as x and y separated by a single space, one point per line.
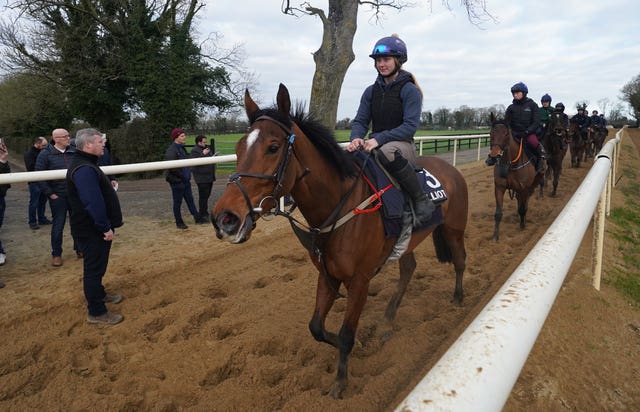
56 155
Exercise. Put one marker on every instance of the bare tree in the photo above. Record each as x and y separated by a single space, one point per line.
603 104
335 54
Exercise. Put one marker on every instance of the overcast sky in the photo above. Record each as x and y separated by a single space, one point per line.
573 50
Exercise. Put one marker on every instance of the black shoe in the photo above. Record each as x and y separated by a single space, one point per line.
490 161
182 226
45 222
34 227
202 220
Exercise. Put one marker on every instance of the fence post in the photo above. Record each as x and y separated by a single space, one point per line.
598 237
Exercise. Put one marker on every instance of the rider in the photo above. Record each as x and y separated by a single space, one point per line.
582 120
595 120
565 123
603 120
545 112
523 117
392 106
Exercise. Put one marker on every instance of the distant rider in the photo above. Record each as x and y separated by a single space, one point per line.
523 117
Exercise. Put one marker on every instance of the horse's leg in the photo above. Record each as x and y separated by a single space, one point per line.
556 178
407 265
357 290
325 297
499 192
523 198
455 243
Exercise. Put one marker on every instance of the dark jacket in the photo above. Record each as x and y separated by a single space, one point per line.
4 168
410 109
523 116
51 158
95 208
176 151
581 120
30 157
204 173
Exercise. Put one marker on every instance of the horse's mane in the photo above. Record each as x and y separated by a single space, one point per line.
321 137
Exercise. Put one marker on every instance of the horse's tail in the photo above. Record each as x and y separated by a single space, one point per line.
443 251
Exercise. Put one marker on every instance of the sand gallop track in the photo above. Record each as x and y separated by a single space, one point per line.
212 326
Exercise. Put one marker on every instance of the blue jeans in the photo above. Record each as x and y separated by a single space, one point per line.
59 210
181 191
95 260
37 203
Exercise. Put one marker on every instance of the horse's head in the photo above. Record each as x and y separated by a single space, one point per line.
264 171
499 136
556 125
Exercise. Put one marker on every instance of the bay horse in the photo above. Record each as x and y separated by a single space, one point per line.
552 142
598 135
514 171
285 153
577 144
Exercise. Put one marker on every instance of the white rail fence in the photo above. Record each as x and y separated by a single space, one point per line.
168 164
479 370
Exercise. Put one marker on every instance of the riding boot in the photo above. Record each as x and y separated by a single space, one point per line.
542 156
402 171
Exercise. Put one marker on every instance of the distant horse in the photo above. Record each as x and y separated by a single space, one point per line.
282 154
577 144
514 170
552 142
599 134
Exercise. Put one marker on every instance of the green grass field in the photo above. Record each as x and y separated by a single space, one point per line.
225 143
626 229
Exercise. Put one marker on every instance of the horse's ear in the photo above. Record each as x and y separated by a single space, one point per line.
284 101
249 105
492 118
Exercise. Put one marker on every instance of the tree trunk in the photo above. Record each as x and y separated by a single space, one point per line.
332 59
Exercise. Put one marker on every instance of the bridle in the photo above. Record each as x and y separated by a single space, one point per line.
277 176
504 148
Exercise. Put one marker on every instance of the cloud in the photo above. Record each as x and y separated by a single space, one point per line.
573 50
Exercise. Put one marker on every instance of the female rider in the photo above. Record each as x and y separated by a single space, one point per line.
392 105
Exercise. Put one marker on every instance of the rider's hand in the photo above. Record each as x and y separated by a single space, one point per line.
370 144
355 144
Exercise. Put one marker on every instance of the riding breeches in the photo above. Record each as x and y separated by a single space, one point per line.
407 149
532 141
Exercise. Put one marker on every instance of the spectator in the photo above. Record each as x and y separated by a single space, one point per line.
95 213
4 168
56 155
37 199
204 176
180 179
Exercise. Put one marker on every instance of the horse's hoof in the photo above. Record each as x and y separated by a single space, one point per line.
336 390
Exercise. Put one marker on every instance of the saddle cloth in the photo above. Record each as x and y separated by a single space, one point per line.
394 202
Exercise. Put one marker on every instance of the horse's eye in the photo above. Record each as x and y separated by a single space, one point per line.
273 148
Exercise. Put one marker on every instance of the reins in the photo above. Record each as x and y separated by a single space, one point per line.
308 236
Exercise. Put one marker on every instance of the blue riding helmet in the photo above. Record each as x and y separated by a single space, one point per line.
546 98
519 87
391 46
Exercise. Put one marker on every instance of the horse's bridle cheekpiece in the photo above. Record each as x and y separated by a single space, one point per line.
277 176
